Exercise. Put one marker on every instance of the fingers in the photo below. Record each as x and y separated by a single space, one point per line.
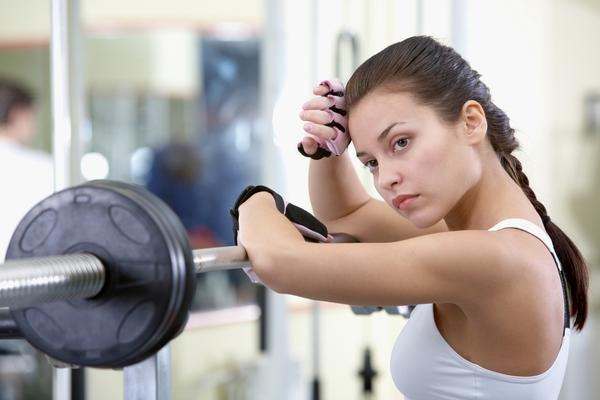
316 134
315 123
321 115
318 103
319 131
321 89
310 145
316 116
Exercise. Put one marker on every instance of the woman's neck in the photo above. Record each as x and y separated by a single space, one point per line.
496 196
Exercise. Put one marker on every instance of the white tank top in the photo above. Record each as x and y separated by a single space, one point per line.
425 367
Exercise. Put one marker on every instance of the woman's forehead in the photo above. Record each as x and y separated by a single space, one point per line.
380 109
384 101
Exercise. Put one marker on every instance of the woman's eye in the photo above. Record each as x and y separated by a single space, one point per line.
371 165
401 144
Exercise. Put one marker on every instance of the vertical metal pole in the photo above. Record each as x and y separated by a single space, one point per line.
458 26
419 17
271 84
61 105
316 309
274 59
261 300
78 384
77 94
316 356
61 383
61 133
149 379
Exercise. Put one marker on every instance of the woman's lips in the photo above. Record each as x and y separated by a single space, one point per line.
403 202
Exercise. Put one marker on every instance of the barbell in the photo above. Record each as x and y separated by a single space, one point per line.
102 274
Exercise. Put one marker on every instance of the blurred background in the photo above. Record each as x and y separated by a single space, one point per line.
195 99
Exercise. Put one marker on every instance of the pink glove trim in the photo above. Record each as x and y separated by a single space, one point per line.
339 121
252 275
337 144
309 233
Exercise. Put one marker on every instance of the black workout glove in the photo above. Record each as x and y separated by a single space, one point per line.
310 227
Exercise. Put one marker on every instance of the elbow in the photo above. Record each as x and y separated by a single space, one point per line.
279 266
324 218
270 272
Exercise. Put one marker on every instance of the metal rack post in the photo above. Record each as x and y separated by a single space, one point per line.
149 379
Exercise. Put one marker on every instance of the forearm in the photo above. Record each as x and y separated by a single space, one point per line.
334 188
339 273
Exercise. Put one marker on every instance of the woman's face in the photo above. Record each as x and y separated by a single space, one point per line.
23 123
421 166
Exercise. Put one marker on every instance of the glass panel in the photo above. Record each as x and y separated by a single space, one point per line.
191 140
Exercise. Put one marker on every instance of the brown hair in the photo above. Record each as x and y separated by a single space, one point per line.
12 96
439 77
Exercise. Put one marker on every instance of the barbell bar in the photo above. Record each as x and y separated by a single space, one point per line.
27 282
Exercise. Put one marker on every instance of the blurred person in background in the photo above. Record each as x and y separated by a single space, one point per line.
26 177
176 175
26 174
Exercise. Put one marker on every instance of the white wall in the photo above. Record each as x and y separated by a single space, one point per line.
29 20
24 21
163 62
574 74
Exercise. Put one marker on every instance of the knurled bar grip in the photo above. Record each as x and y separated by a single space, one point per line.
31 281
26 282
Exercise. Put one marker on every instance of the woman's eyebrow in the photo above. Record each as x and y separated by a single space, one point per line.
386 131
382 135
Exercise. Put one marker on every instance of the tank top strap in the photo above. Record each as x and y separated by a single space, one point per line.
532 229
542 235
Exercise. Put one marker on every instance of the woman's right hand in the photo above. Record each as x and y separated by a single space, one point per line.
326 123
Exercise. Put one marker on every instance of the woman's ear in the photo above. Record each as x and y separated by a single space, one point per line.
473 121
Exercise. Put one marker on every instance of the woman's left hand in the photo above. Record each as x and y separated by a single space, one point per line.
266 234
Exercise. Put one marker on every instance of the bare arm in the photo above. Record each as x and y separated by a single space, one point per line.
334 187
455 267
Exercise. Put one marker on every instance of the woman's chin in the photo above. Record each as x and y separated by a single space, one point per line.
422 221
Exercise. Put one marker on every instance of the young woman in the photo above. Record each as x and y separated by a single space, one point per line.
460 232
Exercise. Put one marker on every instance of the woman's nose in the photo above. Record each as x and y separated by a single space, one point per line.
388 177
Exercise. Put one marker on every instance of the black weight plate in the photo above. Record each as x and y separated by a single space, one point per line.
187 285
143 263
184 283
175 224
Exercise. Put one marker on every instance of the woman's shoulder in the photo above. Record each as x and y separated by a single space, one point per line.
529 261
480 262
